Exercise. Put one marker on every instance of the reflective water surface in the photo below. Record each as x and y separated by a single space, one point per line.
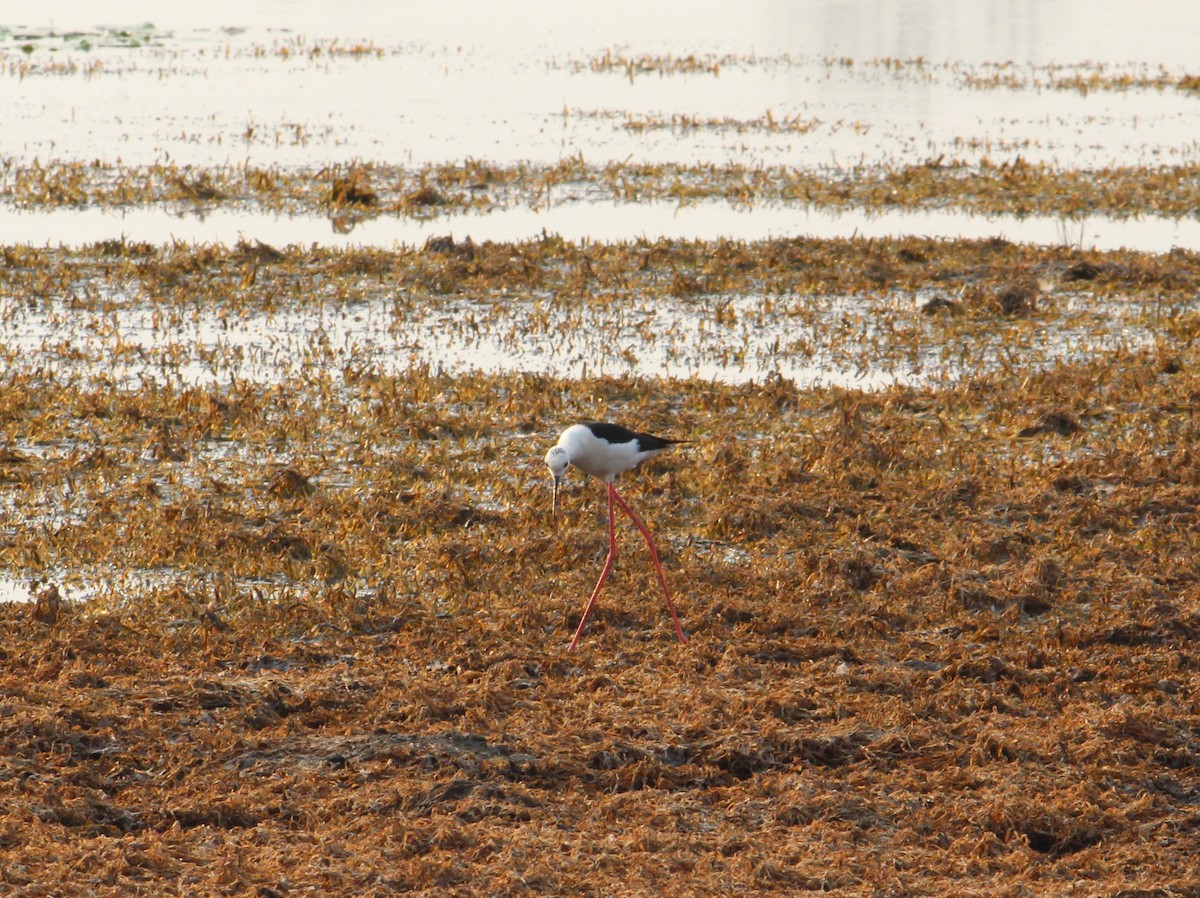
827 86
818 86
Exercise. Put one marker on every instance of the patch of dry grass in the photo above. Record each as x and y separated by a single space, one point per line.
928 652
372 189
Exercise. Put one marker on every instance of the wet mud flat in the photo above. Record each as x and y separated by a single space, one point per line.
942 635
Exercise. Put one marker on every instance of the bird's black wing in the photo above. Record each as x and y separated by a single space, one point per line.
615 433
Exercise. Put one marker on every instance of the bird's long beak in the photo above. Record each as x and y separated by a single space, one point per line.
554 500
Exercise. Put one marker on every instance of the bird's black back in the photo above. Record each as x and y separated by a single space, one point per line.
615 433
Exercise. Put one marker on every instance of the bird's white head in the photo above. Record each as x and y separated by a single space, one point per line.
557 460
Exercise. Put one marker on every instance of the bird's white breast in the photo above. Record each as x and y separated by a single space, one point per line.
600 458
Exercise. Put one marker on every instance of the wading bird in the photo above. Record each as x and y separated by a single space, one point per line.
604 451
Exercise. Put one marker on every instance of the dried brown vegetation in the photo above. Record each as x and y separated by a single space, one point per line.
1014 187
939 645
907 307
943 637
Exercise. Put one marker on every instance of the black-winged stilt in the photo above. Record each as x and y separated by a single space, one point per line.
604 451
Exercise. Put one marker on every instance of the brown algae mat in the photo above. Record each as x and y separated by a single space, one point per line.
942 639
366 190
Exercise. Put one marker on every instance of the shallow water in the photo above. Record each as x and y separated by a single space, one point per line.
866 342
820 85
866 83
14 589
604 221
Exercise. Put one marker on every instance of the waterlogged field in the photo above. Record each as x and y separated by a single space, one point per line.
284 608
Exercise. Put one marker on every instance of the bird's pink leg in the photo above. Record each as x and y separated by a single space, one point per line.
608 563
613 494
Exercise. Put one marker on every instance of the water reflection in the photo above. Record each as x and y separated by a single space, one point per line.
890 83
602 221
